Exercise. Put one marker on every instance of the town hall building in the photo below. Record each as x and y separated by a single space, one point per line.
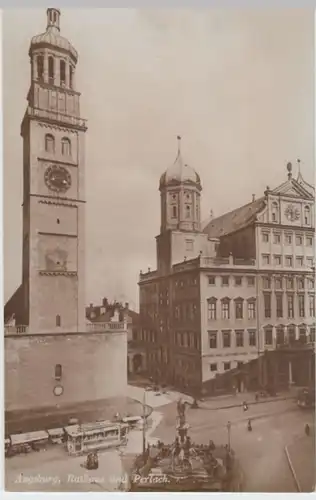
226 291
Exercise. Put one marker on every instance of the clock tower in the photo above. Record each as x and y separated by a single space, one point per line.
53 285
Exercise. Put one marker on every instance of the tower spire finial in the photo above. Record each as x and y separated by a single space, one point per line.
299 166
53 17
179 144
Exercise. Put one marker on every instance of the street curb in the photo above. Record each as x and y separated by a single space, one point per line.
274 400
297 484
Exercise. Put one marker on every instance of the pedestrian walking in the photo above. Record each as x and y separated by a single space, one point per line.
307 430
249 426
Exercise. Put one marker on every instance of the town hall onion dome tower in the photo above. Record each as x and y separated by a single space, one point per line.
180 188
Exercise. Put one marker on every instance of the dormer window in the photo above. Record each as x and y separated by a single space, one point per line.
307 216
275 212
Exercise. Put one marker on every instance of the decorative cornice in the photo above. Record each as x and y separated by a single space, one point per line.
56 198
58 273
58 234
56 127
59 203
60 162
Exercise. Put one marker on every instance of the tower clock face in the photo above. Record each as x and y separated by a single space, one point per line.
57 178
292 213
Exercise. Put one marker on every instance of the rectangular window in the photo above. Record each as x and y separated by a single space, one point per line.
266 259
174 212
301 306
302 334
290 306
189 245
239 338
225 309
300 283
299 261
213 340
238 281
266 283
238 309
213 367
265 237
288 239
276 238
226 366
251 281
309 241
226 339
267 305
311 299
299 240
279 305
211 280
288 261
310 261
211 309
277 260
251 309
311 284
252 338
225 281
312 334
58 372
290 283
278 283
268 336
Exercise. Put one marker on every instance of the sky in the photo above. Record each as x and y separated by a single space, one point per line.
237 85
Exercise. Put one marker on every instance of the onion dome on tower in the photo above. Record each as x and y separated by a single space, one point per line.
180 188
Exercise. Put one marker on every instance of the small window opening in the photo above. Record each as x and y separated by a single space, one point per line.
58 221
62 73
58 372
58 318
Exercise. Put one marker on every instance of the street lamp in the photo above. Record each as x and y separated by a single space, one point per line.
228 432
146 413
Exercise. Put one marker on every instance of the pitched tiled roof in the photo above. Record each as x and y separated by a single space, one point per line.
14 304
234 220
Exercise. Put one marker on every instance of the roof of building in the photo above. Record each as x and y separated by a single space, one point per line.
179 173
52 37
234 220
14 304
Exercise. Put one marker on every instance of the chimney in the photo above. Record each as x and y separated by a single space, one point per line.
105 302
126 305
253 197
211 214
91 306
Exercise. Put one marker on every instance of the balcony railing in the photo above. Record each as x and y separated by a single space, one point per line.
111 326
55 115
12 329
105 327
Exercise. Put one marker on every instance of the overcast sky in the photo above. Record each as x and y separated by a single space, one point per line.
237 85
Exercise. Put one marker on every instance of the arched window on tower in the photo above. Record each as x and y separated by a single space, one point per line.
66 146
51 77
49 143
275 212
40 67
307 215
187 211
62 73
58 320
71 76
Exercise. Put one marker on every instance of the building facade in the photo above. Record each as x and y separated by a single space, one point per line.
46 335
229 289
101 314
